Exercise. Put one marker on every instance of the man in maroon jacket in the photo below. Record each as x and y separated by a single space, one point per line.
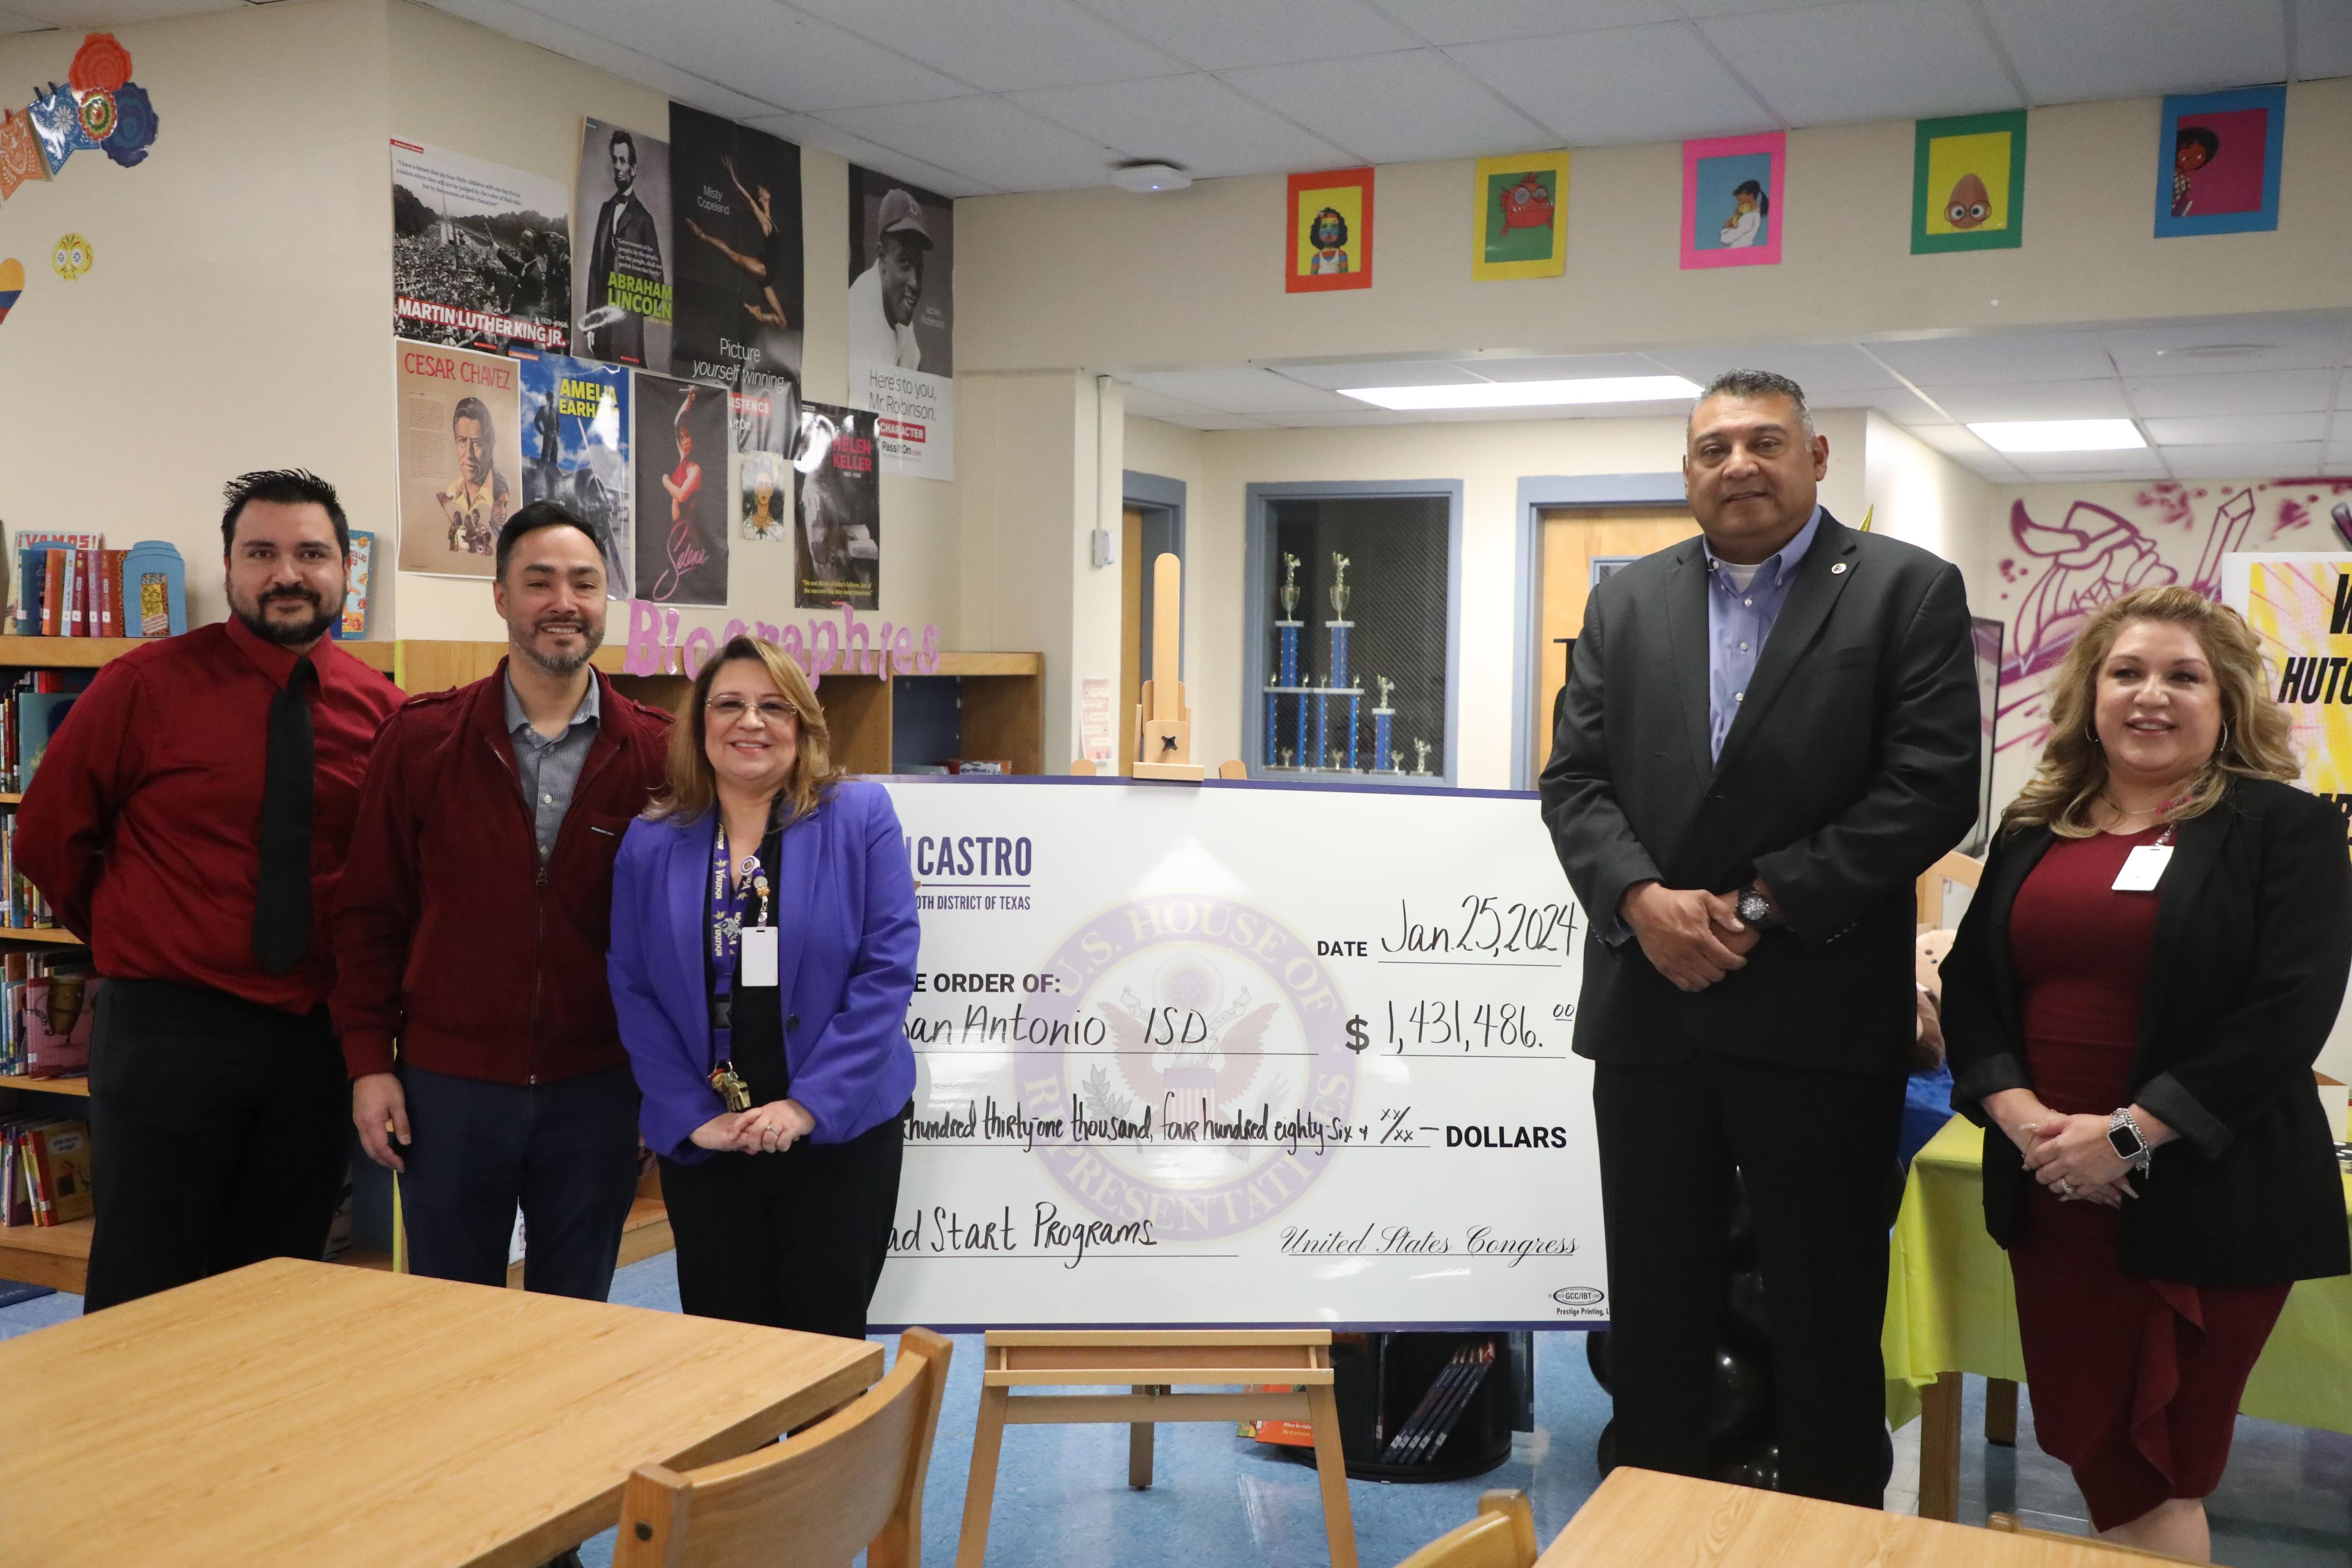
471 932
188 821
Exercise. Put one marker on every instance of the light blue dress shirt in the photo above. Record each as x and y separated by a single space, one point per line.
1738 620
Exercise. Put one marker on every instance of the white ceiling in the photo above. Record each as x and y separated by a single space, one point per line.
978 95
2239 396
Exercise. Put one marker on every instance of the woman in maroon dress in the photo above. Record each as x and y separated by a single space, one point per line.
2132 1007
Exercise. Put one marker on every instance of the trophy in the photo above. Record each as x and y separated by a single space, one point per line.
1287 756
1287 676
1338 626
1421 759
1396 761
1383 721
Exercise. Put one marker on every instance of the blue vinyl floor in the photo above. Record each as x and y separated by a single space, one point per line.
1219 1502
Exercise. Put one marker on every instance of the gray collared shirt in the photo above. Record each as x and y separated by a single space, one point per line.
550 769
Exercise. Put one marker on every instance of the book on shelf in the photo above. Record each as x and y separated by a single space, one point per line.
37 1038
60 1165
41 582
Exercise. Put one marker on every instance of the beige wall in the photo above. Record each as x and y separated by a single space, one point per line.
236 314
1199 275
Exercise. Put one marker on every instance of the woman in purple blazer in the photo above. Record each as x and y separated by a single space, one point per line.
762 957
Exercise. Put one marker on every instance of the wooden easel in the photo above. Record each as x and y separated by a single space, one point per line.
1164 723
1150 1361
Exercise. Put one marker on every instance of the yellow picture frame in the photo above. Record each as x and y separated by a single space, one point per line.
1511 191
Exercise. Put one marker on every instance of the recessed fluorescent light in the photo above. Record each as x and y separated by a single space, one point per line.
2215 351
1530 393
2060 434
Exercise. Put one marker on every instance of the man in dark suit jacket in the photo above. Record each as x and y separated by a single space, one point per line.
1768 733
626 242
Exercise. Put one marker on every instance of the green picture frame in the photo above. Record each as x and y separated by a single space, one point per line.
1968 183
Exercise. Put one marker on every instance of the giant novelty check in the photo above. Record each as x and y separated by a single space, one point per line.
1242 1053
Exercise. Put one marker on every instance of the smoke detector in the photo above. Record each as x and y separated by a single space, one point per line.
1148 175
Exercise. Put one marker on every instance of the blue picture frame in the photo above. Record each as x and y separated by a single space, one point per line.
2193 105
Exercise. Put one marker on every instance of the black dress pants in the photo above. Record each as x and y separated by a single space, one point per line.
220 1135
1815 1150
796 1240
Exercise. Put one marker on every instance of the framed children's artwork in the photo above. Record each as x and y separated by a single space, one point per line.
2218 161
1968 183
1522 229
1731 200
1327 231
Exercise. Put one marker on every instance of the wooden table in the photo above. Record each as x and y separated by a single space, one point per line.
1639 1518
301 1413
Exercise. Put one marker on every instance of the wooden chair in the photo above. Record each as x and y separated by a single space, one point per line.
1286 1375
851 1482
2007 1524
1502 1536
1953 867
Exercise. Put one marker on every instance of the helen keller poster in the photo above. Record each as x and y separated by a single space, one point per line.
481 254
460 455
680 446
735 208
902 321
839 492
575 415
621 239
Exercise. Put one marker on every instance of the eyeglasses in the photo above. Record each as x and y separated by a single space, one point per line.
731 709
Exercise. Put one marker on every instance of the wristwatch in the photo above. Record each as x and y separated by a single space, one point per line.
1755 910
2125 1138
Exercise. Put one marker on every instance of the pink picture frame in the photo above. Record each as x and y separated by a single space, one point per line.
1731 208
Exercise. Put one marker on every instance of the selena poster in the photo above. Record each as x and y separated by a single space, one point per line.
735 209
622 284
575 416
838 541
679 442
902 321
481 254
460 454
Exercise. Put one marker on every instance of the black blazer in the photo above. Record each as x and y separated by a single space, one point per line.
2253 938
1851 769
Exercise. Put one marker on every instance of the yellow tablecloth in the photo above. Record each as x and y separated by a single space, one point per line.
1949 1306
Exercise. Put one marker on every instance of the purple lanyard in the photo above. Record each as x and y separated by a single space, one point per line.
726 921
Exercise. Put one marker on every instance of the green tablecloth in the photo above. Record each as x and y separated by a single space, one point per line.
1950 1307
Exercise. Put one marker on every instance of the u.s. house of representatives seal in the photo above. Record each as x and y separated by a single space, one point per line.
1196 1053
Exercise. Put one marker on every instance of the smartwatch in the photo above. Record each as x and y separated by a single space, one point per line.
2125 1138
1755 910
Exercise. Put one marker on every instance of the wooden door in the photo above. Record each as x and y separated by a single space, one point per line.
1573 539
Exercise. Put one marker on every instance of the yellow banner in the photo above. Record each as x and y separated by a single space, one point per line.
2300 607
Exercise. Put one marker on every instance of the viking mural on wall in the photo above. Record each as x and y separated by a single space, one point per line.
2073 555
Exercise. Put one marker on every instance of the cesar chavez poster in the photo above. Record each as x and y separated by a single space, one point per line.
481 254
736 225
902 321
621 287
575 415
460 450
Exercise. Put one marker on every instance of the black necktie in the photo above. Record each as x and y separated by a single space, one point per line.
281 904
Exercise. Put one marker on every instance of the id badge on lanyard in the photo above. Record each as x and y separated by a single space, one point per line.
2144 866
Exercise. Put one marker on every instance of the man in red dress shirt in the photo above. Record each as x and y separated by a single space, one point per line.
189 821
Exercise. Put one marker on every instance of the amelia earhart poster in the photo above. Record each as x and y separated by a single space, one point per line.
621 245
575 415
460 455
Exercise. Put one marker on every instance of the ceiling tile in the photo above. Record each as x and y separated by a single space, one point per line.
2265 460
2031 400
1484 21
2239 391
1244 390
12 23
1000 45
1819 368
2137 465
1193 121
2323 38
1697 8
1411 106
1557 367
778 56
811 132
1216 34
2009 357
1870 60
1150 405
2303 341
1392 372
607 53
2126 49
1896 403
2241 429
1651 83
984 138
114 13
1952 440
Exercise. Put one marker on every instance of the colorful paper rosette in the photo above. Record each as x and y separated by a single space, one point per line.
134 125
100 65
